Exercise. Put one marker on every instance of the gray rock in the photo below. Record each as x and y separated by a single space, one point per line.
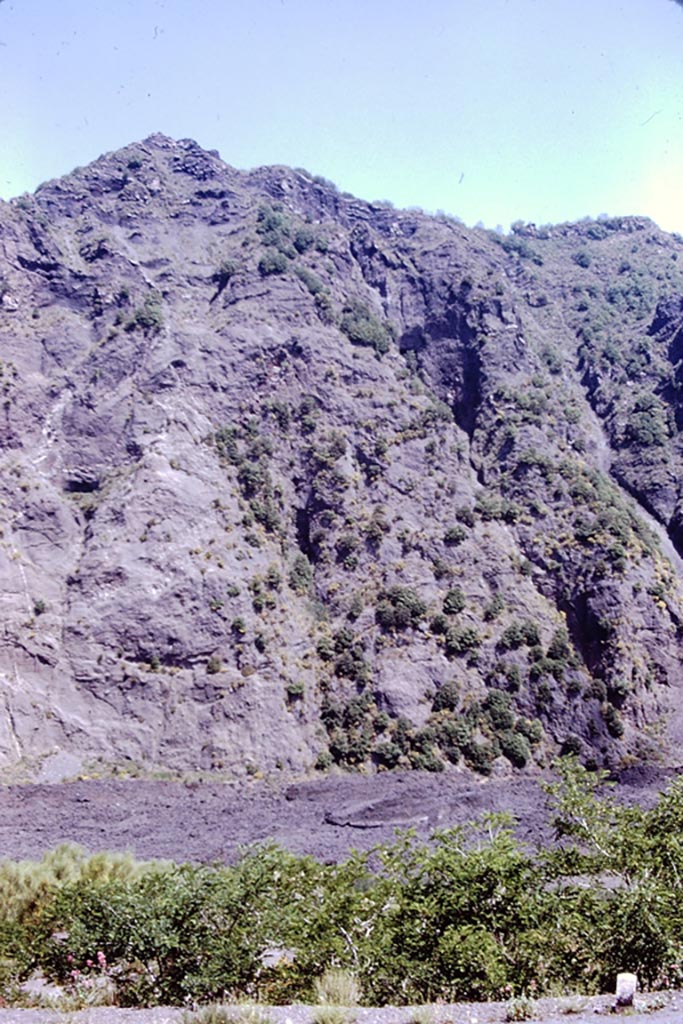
212 476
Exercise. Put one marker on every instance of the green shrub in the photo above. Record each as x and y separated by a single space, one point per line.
559 648
480 756
378 527
494 607
447 697
362 328
148 317
455 535
468 913
582 258
304 238
532 729
512 637
387 754
515 748
518 633
273 263
613 721
400 608
572 746
454 601
466 516
530 633
520 1008
453 735
346 547
309 280
520 247
461 639
301 574
647 426
275 229
440 624
325 307
498 708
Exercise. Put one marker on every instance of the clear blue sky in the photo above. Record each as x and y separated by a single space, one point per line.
544 110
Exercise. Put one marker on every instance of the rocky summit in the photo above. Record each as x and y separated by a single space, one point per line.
291 480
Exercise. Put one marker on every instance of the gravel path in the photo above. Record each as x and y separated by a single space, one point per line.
656 1009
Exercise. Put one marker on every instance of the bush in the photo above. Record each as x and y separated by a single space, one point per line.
512 637
559 648
440 624
309 279
447 697
387 754
460 639
400 608
515 748
362 328
148 316
301 574
582 258
455 535
337 987
480 756
466 516
273 263
454 601
518 633
494 607
613 721
498 708
275 229
304 238
532 729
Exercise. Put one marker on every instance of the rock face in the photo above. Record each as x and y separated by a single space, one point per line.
290 479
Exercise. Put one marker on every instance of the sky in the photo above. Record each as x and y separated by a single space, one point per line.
535 110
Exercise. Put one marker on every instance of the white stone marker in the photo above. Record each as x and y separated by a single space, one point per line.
626 989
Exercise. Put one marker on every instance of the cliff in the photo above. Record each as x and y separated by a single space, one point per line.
292 480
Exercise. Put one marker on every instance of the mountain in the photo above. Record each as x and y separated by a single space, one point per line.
292 480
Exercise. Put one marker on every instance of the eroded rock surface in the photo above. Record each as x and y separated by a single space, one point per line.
289 479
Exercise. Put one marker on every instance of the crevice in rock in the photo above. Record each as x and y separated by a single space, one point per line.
82 485
303 533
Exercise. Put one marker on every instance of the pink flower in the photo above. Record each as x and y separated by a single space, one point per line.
89 963
70 958
101 958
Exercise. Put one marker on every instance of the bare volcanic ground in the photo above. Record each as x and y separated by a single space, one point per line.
326 818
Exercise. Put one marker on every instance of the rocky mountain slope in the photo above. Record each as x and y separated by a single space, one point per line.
292 480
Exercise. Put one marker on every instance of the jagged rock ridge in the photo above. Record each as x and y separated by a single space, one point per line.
290 479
